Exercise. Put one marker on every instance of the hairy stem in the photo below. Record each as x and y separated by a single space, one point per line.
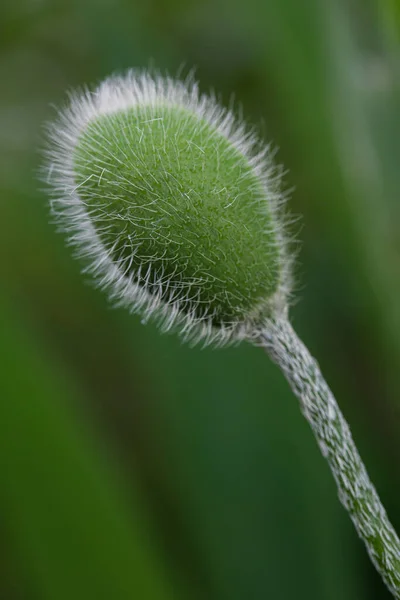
318 405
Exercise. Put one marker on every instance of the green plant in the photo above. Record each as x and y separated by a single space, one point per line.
176 210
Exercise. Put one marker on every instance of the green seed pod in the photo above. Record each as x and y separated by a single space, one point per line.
173 205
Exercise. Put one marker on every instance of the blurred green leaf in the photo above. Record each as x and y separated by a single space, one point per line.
70 519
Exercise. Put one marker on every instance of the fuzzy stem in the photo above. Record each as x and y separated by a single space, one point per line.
356 491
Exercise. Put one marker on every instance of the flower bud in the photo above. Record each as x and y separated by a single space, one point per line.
173 205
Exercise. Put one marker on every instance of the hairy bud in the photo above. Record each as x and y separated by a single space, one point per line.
173 205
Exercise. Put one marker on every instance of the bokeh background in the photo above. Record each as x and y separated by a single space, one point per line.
130 465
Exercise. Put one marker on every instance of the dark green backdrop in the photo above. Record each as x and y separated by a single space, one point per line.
132 466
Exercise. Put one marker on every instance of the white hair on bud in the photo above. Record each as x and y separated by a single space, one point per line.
118 93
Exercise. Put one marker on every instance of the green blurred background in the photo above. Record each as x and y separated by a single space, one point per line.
132 466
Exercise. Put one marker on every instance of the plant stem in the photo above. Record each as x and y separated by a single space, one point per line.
318 405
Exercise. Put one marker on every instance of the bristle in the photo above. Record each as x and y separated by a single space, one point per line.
147 292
